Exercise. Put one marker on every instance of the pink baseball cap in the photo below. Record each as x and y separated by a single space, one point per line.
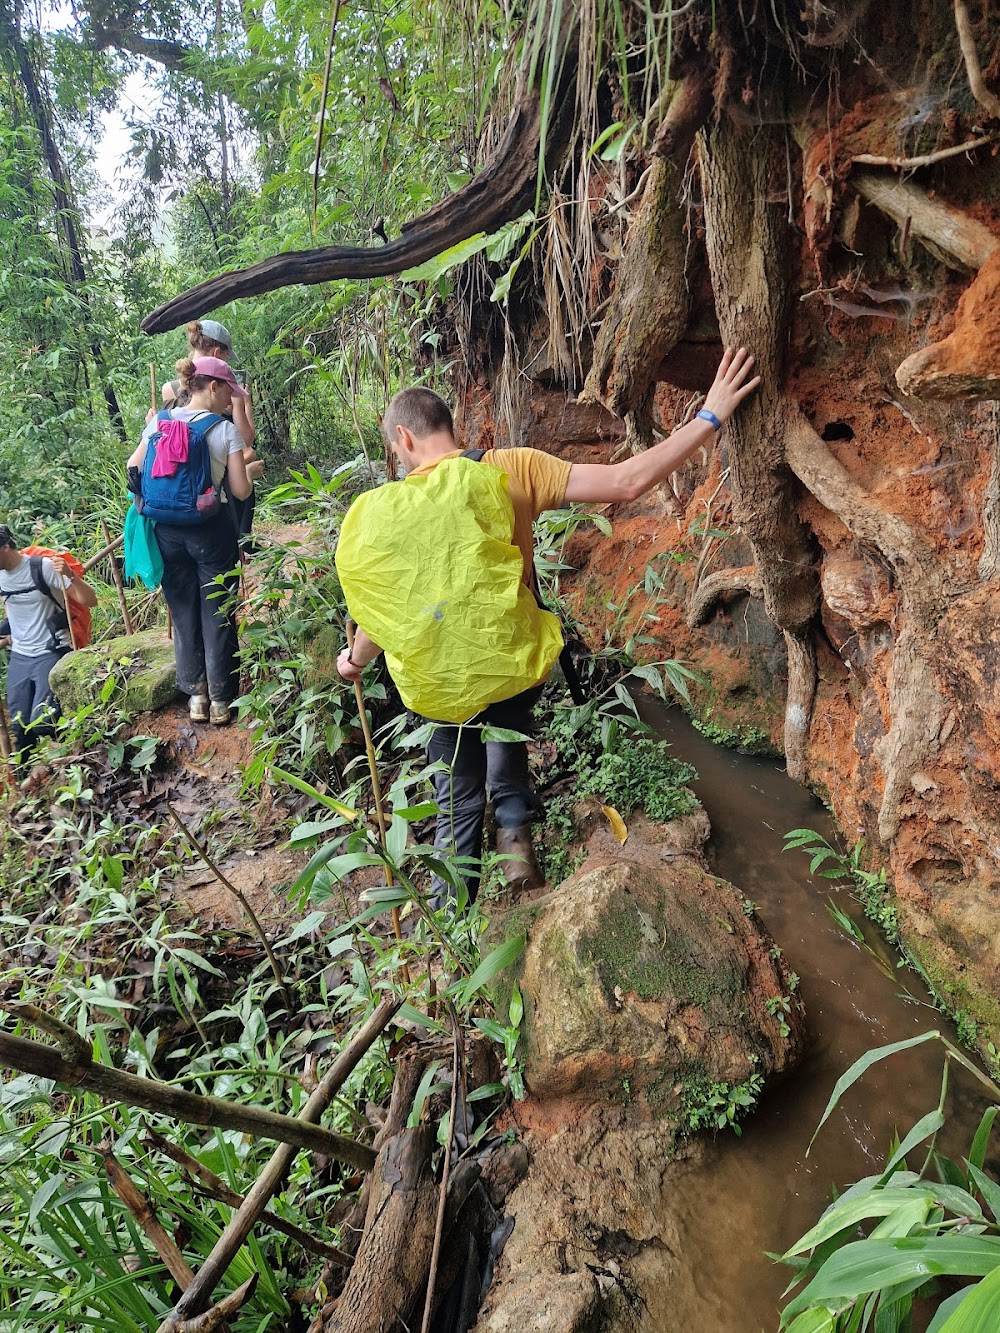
216 369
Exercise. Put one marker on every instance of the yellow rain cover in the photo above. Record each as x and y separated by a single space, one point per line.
430 573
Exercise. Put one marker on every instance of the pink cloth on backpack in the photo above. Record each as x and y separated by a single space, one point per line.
171 448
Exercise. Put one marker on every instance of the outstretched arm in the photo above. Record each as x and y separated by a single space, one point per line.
606 483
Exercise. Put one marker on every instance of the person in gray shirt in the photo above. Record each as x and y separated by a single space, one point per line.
35 631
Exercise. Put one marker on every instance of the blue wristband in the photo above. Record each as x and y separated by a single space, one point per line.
706 415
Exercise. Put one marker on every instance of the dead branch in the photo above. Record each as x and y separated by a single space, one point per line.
114 1085
228 884
445 1173
216 1188
987 100
212 1321
245 1218
926 159
143 1212
953 237
724 583
501 191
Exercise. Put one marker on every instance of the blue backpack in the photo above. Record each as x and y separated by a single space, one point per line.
189 496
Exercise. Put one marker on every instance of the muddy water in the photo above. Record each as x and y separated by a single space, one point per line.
761 1192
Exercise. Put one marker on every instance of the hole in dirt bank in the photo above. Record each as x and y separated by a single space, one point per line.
836 430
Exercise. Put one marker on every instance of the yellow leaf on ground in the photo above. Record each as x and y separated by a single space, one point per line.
618 827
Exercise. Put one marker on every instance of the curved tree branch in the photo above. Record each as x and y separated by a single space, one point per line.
502 190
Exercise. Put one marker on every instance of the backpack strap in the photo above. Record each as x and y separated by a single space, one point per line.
474 455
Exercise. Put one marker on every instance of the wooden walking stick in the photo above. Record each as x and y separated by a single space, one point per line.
119 585
152 385
377 790
6 748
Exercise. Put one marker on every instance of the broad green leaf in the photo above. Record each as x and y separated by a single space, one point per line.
904 1220
979 1311
849 1212
988 1188
814 1321
923 1129
977 1154
422 1093
947 1308
432 269
872 1265
307 789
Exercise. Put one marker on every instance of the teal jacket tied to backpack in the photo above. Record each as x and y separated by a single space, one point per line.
188 496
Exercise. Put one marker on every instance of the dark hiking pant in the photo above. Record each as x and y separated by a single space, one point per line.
476 767
203 611
32 706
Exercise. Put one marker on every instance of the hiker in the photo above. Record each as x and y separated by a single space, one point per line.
207 337
426 566
195 534
34 591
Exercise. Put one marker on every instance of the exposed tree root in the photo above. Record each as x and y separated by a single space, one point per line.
953 237
746 239
724 583
799 700
649 308
916 709
989 561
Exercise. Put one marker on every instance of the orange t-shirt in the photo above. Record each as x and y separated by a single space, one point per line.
535 482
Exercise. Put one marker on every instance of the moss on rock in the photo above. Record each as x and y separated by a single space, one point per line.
141 667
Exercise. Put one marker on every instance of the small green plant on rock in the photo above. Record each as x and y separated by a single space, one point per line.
710 1105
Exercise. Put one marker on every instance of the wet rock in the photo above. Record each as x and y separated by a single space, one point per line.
640 979
142 666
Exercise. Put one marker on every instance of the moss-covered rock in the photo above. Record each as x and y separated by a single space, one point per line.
141 666
637 978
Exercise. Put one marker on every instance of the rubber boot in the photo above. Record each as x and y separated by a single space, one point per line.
520 869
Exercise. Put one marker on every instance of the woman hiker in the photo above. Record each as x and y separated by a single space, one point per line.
198 551
207 337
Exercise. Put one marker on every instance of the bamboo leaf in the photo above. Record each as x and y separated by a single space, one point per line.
979 1310
502 957
862 1065
977 1154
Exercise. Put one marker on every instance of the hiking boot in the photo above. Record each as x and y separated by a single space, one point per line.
219 713
198 708
520 869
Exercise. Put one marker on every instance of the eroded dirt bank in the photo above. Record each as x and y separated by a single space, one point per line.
831 561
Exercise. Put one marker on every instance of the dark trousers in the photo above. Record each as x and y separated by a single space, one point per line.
476 767
203 612
30 701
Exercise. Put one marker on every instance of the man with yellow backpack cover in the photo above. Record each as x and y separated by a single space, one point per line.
438 574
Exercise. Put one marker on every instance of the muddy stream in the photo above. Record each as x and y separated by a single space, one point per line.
761 1192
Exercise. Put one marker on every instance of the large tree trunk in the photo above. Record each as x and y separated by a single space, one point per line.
67 211
747 240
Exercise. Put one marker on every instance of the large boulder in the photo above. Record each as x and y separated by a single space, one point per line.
648 983
141 665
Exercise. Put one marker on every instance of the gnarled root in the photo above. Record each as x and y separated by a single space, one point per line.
724 583
799 700
649 309
918 712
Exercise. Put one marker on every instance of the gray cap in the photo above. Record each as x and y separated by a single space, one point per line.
211 328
